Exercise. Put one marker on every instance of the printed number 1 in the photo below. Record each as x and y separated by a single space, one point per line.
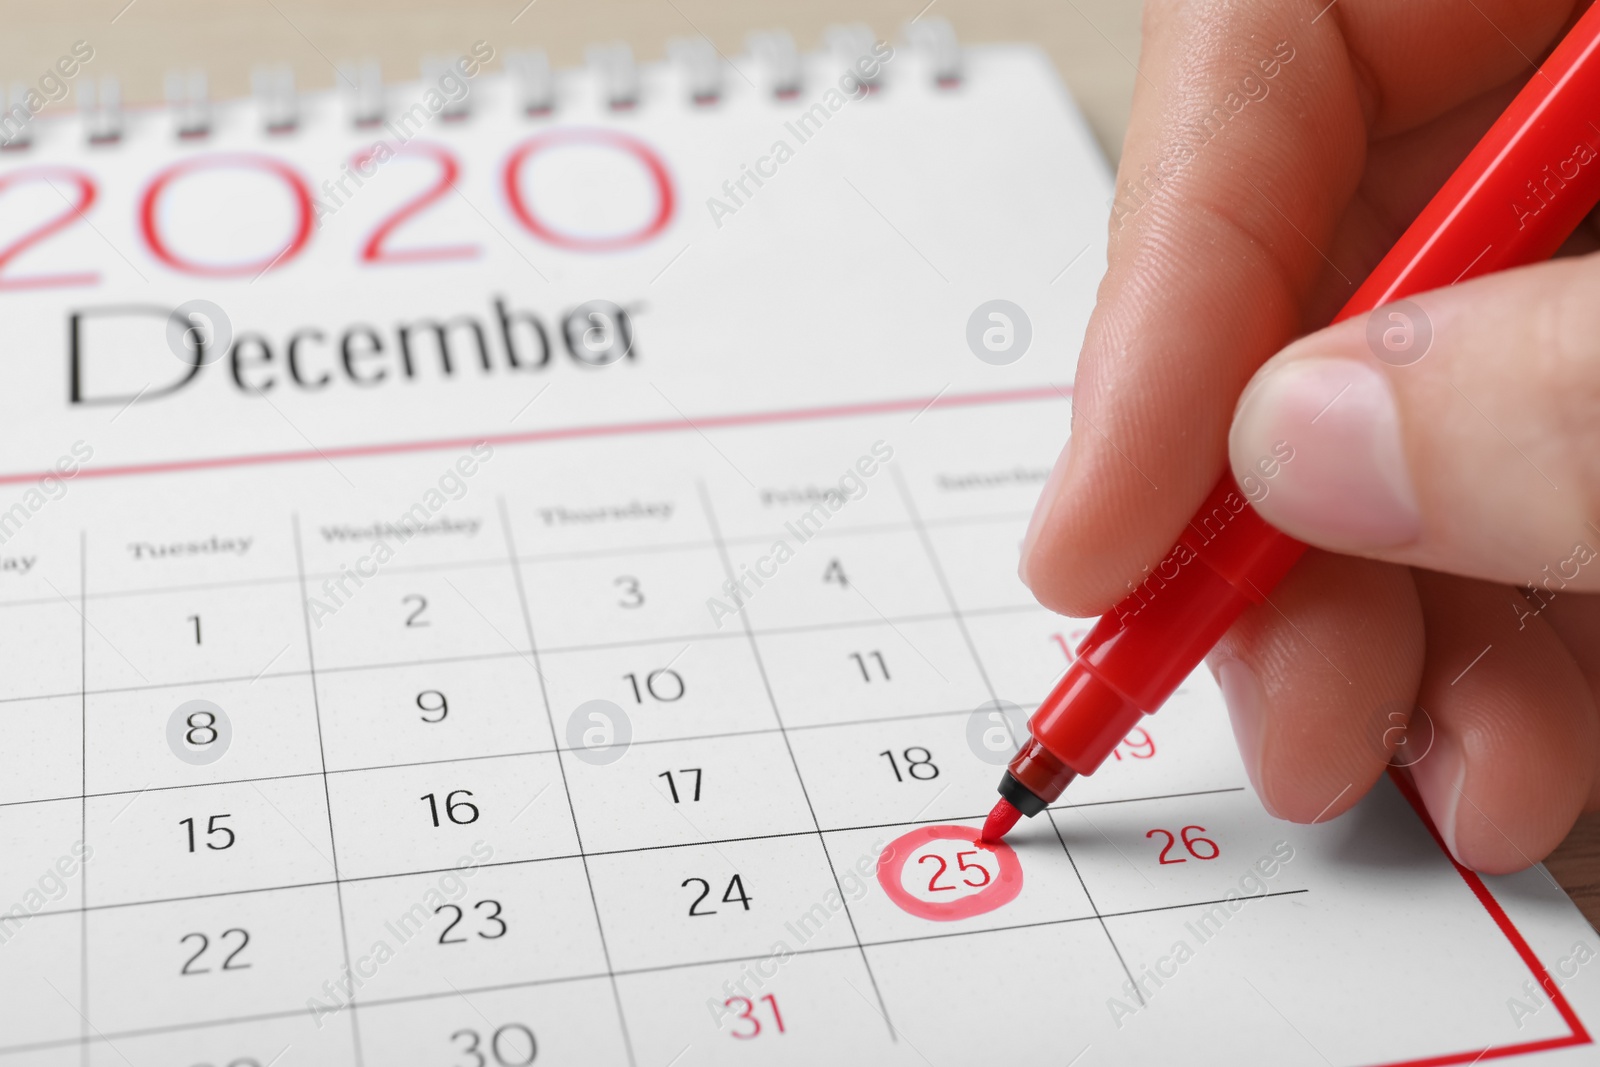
196 620
747 1010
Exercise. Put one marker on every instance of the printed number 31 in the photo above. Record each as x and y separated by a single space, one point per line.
747 1009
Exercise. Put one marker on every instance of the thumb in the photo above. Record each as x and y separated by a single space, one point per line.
1458 431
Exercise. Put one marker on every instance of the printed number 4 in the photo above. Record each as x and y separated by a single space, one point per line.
747 1010
1201 848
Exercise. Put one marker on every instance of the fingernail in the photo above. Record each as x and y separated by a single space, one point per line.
1439 777
1346 483
1247 710
1041 511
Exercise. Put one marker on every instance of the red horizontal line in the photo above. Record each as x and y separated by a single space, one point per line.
619 429
1484 1055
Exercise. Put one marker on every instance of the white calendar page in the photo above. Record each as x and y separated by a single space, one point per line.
372 702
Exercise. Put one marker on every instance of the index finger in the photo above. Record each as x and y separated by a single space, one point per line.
1242 168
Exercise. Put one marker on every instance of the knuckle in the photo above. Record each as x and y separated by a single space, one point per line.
1565 360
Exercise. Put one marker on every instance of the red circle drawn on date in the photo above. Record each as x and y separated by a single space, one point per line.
1002 890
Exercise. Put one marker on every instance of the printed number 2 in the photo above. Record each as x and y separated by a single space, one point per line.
1201 848
747 1009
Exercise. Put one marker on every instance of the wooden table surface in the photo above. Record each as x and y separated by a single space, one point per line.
1094 44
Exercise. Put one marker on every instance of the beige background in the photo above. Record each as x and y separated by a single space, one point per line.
1094 44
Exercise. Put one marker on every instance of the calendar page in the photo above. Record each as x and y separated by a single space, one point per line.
519 569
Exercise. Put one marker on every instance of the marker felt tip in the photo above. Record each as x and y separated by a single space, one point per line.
1000 821
1228 558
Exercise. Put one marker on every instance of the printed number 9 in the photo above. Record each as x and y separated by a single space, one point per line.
437 704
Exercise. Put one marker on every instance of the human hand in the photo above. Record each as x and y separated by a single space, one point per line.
1276 150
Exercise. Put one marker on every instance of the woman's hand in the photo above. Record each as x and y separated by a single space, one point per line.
1439 461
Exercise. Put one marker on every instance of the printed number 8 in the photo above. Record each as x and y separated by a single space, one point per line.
208 727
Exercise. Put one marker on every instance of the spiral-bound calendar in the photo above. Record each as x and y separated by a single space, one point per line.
516 566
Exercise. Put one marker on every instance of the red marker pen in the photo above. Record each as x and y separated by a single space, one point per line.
1518 195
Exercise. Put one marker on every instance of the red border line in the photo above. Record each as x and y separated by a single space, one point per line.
1577 1036
619 429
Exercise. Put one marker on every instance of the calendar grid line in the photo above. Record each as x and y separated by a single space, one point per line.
772 701
1084 885
533 983
823 535
314 669
988 684
757 731
595 854
83 798
561 768
327 797
760 731
556 650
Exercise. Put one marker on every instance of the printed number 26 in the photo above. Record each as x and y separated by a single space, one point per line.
1201 848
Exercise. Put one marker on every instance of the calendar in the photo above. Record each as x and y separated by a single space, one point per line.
518 567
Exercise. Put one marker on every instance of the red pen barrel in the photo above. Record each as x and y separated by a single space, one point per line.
1519 193
1514 199
1226 559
